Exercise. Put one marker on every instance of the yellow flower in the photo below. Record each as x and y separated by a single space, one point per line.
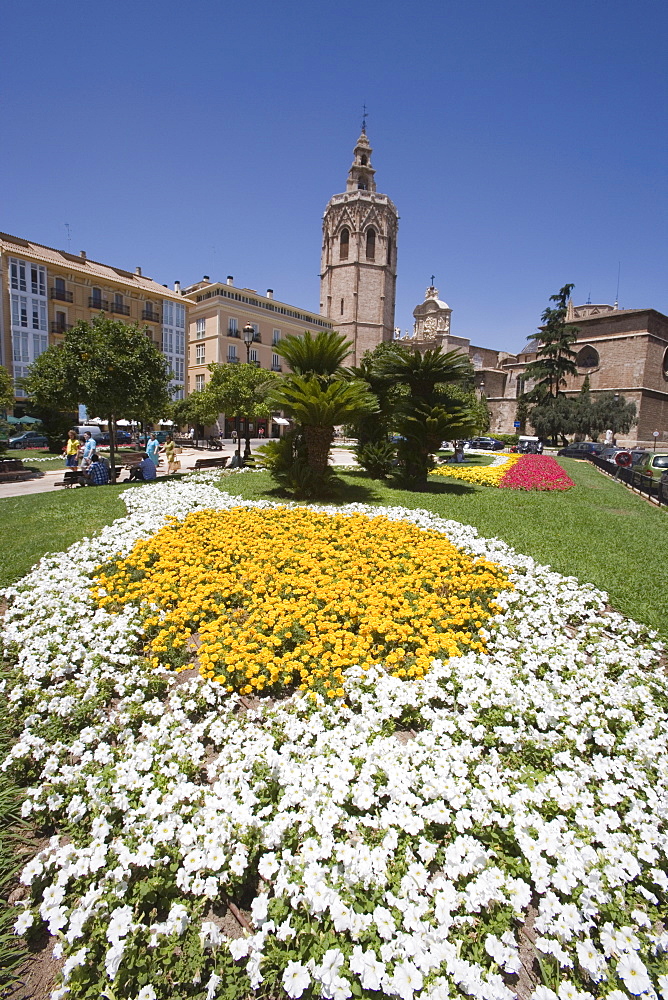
265 598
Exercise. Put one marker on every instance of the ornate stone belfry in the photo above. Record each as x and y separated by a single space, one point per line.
432 317
359 258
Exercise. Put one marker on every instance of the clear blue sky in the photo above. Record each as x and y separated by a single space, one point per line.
523 142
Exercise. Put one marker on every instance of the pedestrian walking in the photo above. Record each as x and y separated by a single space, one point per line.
89 448
153 448
71 450
173 465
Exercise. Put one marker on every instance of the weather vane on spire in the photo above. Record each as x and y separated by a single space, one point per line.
365 115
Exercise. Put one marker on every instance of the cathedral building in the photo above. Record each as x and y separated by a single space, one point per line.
359 258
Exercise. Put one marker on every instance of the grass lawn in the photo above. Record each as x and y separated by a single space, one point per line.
598 532
55 461
50 522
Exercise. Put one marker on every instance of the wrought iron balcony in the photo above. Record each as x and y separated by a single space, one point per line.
233 361
120 308
95 303
62 295
60 327
277 368
152 317
257 338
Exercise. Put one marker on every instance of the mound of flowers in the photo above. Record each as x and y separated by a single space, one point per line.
269 598
495 828
536 472
480 475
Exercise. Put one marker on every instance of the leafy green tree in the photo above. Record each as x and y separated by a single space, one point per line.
113 368
6 389
426 415
235 390
554 357
612 412
554 417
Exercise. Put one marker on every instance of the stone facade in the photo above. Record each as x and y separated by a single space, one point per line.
622 351
359 258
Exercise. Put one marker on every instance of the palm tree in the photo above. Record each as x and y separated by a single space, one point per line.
319 356
422 373
319 408
427 416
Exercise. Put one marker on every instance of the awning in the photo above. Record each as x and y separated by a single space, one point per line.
281 421
166 423
124 423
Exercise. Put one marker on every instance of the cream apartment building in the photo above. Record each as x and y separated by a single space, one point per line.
44 292
217 314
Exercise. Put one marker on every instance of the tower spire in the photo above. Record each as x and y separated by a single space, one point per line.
365 115
361 173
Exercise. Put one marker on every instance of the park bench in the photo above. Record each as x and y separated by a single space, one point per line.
211 463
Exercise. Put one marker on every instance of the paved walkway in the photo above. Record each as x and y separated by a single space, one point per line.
46 482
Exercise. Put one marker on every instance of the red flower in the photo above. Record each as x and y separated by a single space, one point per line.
536 472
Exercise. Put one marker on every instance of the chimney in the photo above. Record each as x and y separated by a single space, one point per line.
82 253
270 293
177 287
205 277
138 272
230 279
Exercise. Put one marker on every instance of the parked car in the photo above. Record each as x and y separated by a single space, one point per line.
579 449
486 444
161 437
652 463
29 439
122 437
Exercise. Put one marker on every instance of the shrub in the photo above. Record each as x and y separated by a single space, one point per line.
377 459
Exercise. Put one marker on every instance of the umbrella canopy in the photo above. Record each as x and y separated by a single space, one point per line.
29 420
281 421
124 423
12 420
166 423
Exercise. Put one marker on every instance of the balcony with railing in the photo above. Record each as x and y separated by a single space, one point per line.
233 332
257 338
95 303
277 368
152 317
232 360
62 295
60 327
120 308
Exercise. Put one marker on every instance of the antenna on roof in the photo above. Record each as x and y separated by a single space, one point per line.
619 270
69 237
589 299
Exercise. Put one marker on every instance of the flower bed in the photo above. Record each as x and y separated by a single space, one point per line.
493 828
536 472
283 597
485 475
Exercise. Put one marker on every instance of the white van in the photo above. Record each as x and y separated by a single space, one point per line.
92 429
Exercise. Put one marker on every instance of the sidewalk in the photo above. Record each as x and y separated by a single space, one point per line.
46 482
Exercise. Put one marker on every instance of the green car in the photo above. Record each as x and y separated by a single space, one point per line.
654 464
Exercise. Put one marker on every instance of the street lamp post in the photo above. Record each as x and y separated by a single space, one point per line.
249 336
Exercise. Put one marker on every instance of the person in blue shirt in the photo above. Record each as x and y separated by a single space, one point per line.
152 448
97 473
143 472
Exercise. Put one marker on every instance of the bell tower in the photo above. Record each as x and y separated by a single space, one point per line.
358 270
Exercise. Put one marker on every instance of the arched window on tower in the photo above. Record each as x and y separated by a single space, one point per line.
364 160
389 250
344 242
361 186
371 244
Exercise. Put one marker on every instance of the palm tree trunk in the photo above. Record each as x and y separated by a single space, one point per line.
318 443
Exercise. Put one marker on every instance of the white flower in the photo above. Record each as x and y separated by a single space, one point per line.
23 922
633 974
296 979
147 993
405 980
